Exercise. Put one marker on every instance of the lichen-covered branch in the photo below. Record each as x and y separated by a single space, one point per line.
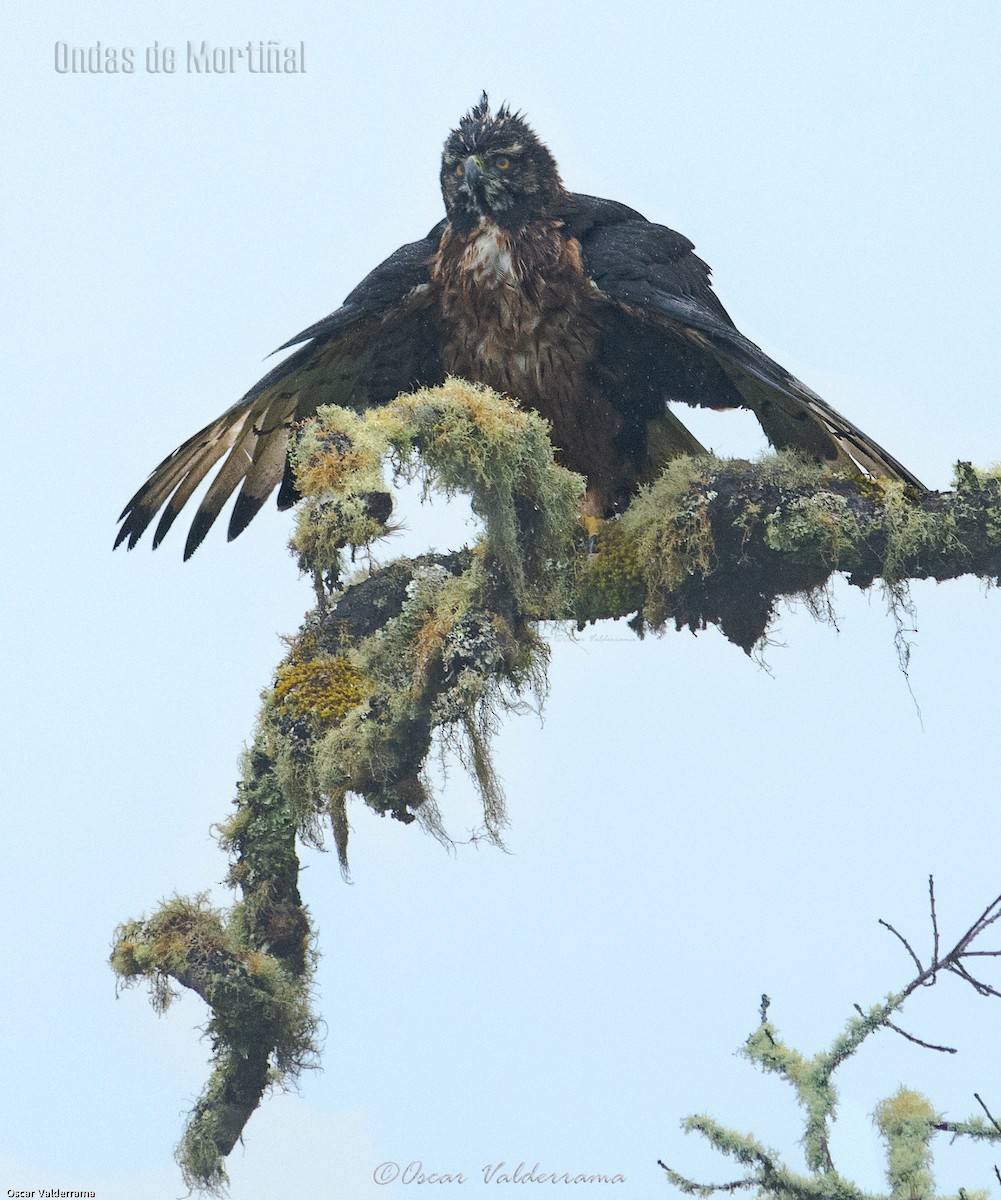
252 967
720 542
438 647
906 1121
439 644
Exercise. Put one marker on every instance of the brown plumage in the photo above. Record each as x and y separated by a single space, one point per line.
578 307
515 313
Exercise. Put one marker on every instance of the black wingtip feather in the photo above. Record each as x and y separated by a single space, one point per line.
133 529
244 511
165 522
196 534
288 493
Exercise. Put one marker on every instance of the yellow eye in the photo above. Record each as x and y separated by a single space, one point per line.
503 162
458 169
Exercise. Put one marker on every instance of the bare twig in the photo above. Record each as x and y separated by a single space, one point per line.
984 989
906 943
934 918
990 914
919 1042
953 960
735 1186
910 1036
990 1117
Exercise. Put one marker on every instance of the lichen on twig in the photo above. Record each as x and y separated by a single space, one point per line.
907 1122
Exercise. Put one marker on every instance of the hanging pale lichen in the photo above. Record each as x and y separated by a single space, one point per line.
440 660
459 437
447 643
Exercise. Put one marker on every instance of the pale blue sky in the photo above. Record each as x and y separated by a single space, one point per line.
688 830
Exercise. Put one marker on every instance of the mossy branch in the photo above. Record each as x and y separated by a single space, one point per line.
439 646
906 1121
721 542
440 643
251 966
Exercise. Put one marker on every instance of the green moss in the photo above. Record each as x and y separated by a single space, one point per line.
262 1028
669 524
162 947
935 539
611 582
260 838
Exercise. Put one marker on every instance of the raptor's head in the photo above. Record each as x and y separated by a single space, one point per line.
493 165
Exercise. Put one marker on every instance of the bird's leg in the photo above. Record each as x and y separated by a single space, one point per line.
592 527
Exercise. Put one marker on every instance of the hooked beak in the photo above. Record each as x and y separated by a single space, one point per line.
472 174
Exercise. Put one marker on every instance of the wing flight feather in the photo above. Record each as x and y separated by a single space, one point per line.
651 275
378 343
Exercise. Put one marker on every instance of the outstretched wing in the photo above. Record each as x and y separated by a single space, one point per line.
380 342
663 313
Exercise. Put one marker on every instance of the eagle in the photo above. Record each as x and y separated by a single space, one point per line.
577 307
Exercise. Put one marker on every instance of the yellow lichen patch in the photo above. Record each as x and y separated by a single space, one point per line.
592 525
324 688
